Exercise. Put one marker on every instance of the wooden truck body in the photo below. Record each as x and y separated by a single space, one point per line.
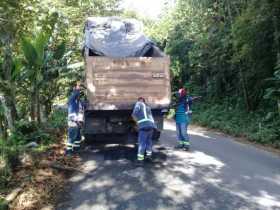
115 84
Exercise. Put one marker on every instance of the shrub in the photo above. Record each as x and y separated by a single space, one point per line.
3 204
58 119
26 132
8 160
256 126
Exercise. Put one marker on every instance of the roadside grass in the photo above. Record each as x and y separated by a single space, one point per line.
259 127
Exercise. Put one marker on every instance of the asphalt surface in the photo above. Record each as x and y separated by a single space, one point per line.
218 173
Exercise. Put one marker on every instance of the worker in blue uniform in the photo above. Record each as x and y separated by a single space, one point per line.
142 114
182 118
75 120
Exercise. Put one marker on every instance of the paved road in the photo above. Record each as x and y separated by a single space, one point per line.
217 174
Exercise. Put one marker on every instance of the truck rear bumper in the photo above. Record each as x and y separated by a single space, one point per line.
114 122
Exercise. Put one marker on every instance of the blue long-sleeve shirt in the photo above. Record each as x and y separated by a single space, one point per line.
75 109
73 102
184 105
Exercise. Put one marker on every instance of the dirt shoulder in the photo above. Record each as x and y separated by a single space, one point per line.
39 179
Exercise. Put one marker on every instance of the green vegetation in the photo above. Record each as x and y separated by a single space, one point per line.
40 41
254 126
3 204
8 160
22 140
229 53
40 58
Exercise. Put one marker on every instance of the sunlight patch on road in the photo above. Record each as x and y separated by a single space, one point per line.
177 192
135 173
199 158
175 187
267 200
190 171
90 165
274 179
102 203
121 193
105 182
213 180
199 133
203 159
77 178
171 126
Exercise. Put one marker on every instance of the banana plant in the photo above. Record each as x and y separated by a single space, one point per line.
41 62
33 63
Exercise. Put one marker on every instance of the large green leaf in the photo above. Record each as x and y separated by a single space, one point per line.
29 52
17 67
59 51
40 44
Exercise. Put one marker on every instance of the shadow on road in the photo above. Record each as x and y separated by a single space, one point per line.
207 177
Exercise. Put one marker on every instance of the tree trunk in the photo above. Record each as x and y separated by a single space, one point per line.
47 109
244 90
11 104
9 115
38 107
8 97
33 105
44 116
3 129
278 104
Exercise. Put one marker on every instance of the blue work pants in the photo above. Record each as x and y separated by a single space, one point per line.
182 133
73 139
145 143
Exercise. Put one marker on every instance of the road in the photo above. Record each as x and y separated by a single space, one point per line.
217 174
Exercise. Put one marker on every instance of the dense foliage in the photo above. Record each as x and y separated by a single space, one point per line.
40 57
40 41
228 52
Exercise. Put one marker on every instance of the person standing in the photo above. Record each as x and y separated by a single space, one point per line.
182 118
75 120
142 114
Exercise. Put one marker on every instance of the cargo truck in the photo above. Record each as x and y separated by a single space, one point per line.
113 85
